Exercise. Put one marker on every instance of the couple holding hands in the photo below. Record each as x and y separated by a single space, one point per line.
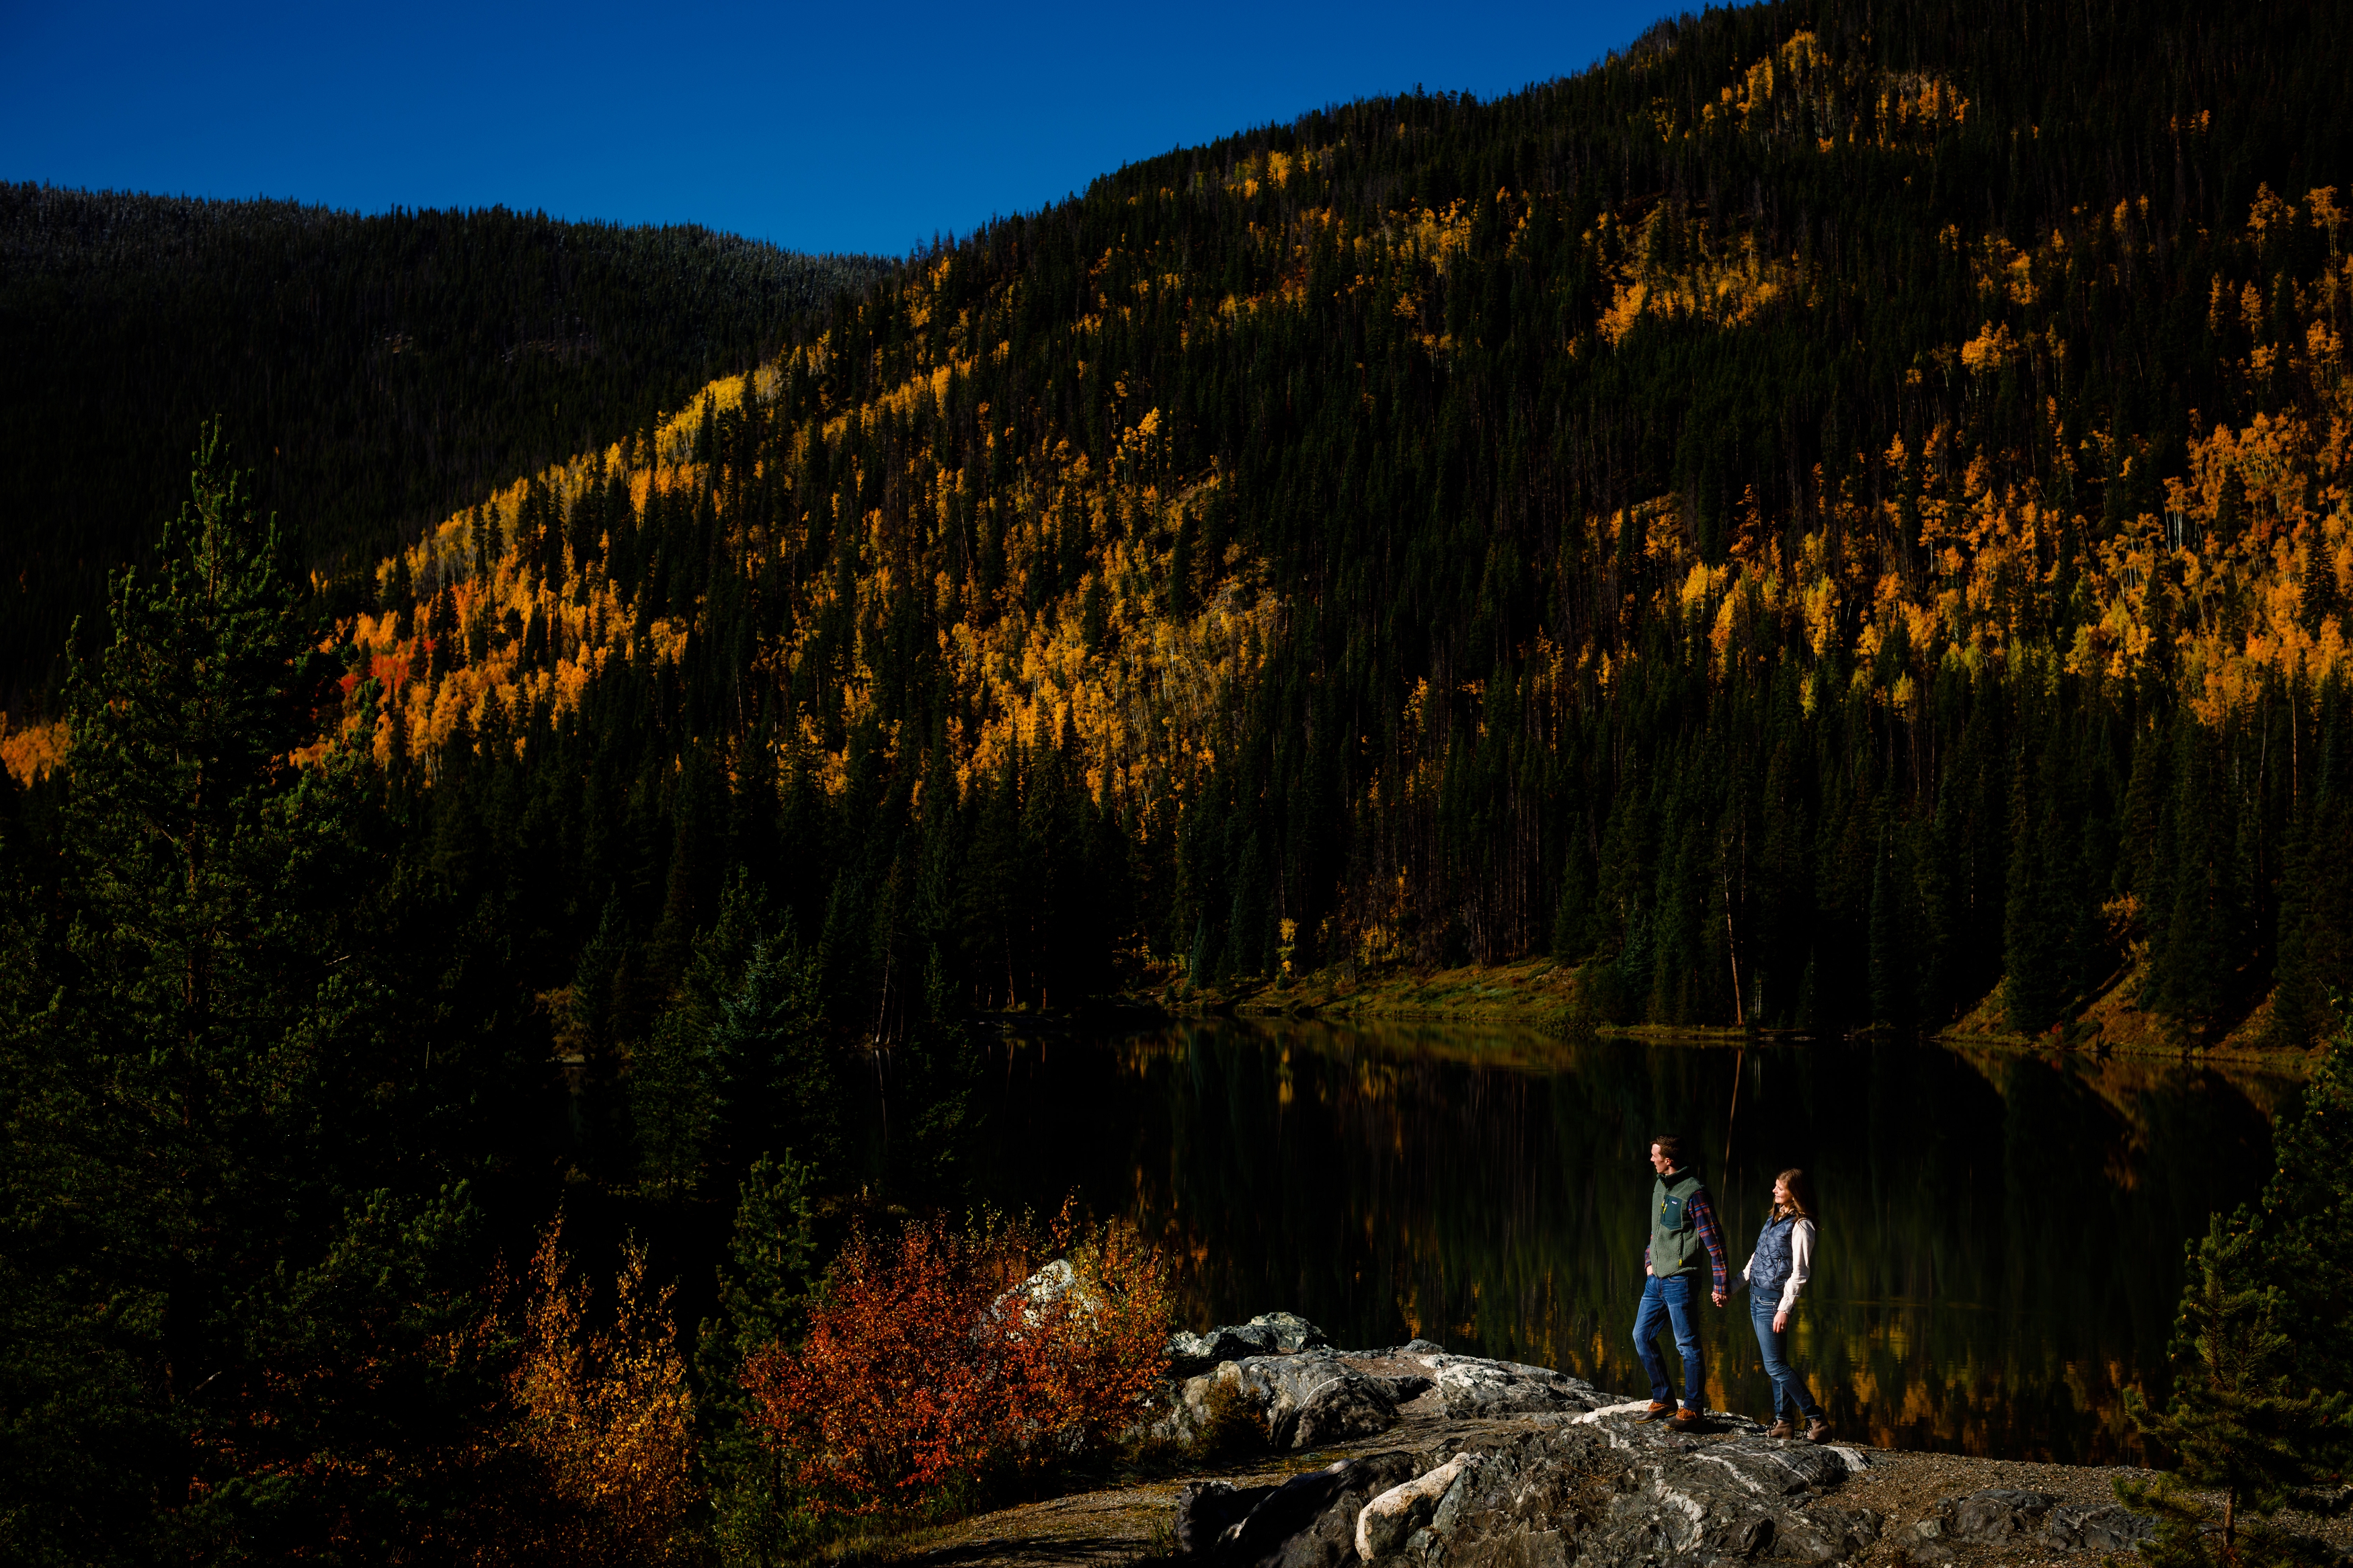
1684 1239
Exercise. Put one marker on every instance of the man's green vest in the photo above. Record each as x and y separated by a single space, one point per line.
1675 1244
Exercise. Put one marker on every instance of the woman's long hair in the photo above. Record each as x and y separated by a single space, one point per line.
1801 1195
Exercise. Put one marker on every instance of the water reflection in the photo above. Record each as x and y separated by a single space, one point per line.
2001 1243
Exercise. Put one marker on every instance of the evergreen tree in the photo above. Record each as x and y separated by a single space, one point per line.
225 1278
2263 1397
2244 1418
771 1269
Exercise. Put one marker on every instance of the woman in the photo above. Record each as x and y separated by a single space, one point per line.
1776 1274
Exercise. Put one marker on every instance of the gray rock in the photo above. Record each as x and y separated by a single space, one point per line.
1766 1467
1309 1520
1385 1523
1477 1479
1994 1515
1206 1509
1401 1388
1269 1333
1823 1534
1350 1405
2096 1527
1472 1387
1302 1401
1610 1494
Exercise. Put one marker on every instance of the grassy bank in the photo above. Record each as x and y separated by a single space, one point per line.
1541 995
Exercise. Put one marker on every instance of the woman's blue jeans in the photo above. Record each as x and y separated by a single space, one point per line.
1674 1300
1790 1397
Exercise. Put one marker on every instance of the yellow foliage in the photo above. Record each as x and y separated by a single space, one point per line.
2214 588
30 753
606 1414
1726 286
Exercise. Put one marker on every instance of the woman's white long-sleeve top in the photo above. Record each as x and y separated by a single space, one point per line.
1801 1263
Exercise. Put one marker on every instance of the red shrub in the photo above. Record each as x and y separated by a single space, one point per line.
927 1365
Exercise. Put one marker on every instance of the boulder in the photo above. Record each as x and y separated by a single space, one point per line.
1999 1515
1309 1520
2096 1527
1472 1387
1825 1534
1769 1468
1985 1518
1049 1285
1349 1406
1269 1333
1303 1401
1207 1509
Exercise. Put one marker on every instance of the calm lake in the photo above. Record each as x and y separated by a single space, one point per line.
2001 1235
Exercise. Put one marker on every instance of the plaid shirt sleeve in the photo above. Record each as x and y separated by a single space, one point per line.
1701 1209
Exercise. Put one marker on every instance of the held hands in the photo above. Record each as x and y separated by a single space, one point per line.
1720 1298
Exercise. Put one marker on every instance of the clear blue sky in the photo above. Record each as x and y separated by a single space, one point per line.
852 126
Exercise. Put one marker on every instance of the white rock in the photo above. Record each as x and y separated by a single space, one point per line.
1384 1523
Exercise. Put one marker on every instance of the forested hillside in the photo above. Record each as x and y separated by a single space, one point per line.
1854 503
381 369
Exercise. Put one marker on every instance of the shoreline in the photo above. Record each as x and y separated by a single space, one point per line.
1539 995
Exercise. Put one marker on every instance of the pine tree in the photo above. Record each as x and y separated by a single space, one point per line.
770 1270
2316 925
2262 1398
2237 1422
225 1268
2306 1215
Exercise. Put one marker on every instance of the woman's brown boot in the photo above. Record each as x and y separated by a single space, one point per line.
1781 1428
1817 1430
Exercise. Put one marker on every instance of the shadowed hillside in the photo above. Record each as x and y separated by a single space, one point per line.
379 370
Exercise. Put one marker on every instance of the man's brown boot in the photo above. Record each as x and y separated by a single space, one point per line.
1689 1419
1781 1428
1817 1429
1657 1412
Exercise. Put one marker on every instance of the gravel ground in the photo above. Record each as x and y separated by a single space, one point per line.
1907 1485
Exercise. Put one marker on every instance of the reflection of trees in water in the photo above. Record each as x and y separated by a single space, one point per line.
2001 1241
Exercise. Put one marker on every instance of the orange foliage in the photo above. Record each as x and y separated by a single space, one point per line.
30 754
605 1416
930 1364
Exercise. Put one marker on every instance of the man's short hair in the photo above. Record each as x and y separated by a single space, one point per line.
1670 1145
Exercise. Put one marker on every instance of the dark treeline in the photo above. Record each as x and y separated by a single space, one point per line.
384 369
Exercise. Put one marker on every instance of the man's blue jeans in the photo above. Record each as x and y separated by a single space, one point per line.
1676 1300
1790 1395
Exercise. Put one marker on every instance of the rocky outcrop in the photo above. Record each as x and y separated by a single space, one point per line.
1310 1396
1521 1467
1597 1490
1999 1515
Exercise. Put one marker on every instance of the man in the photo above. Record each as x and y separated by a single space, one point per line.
1683 1224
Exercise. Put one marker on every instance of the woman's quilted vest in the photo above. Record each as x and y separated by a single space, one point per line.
1771 1269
